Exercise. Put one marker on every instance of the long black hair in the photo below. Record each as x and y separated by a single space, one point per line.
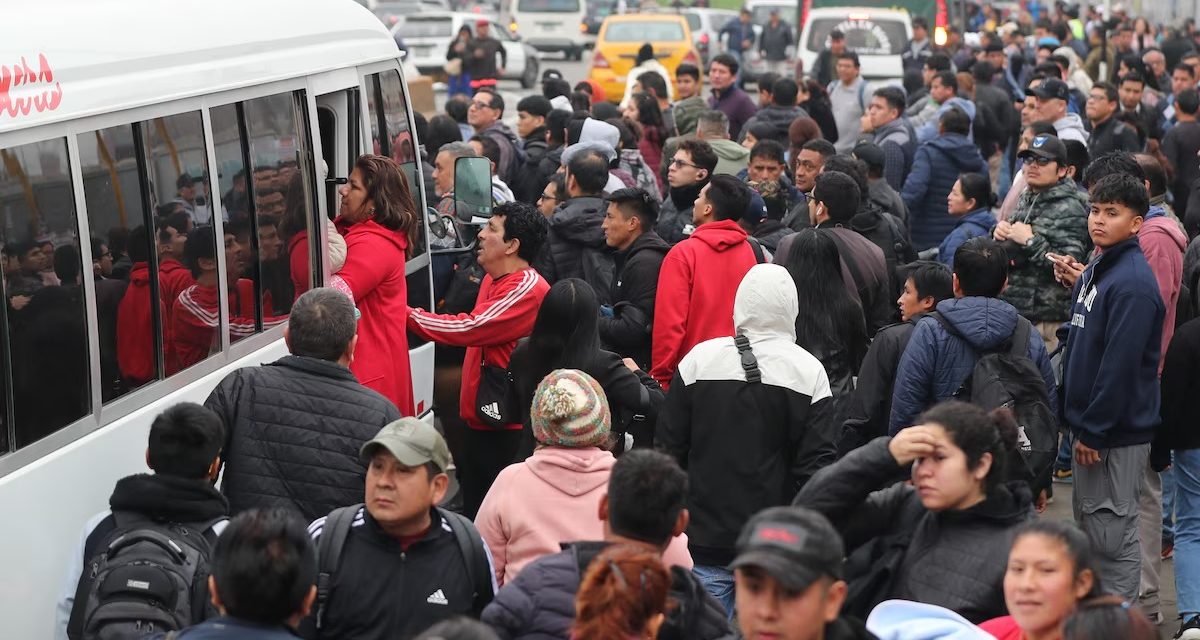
566 332
828 316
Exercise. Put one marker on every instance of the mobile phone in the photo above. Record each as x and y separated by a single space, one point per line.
1054 257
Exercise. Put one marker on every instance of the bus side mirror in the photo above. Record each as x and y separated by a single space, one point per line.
473 190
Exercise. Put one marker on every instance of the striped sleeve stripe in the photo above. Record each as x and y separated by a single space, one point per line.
318 525
204 315
529 279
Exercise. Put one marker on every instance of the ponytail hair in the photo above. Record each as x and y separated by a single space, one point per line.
1108 618
624 588
977 432
977 187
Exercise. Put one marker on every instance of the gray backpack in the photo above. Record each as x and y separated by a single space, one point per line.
144 577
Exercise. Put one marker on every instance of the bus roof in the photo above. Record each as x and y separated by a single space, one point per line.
72 58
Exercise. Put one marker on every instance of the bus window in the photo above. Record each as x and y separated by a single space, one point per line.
45 336
265 135
116 208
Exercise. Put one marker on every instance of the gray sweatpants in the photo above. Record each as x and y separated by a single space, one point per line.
1105 503
1150 535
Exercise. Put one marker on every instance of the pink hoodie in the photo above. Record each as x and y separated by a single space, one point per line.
1164 242
551 498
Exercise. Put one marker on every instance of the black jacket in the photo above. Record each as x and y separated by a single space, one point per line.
293 431
1112 135
629 394
576 245
676 212
822 111
531 179
1180 388
953 559
746 445
540 603
382 591
780 119
635 284
870 407
884 231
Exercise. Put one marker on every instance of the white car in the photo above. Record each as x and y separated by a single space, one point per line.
878 36
427 37
706 28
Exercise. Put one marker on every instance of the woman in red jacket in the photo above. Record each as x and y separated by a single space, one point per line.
380 223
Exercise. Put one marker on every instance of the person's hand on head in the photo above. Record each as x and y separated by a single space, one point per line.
917 441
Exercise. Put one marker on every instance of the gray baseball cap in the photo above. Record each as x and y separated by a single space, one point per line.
413 442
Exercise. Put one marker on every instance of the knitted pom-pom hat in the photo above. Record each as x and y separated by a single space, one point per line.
570 410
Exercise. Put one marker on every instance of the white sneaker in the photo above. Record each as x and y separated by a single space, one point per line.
1189 630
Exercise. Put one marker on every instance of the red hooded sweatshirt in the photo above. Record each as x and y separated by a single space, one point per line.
374 276
1163 243
696 287
135 327
504 313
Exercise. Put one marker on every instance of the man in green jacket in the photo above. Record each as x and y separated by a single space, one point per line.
1050 218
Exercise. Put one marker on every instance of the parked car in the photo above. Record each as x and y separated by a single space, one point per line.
706 25
549 25
621 37
878 36
392 12
597 11
428 35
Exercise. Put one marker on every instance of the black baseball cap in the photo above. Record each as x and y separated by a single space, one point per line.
1051 88
795 545
1046 146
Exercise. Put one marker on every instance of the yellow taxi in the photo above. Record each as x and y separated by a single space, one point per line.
622 35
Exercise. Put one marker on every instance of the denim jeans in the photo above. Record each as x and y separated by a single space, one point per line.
1187 531
460 83
1168 488
718 582
1066 450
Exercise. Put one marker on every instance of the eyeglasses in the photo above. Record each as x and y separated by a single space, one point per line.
475 104
677 163
546 197
1040 161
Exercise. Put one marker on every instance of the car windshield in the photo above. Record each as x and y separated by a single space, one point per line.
693 20
548 6
656 31
863 35
761 14
425 28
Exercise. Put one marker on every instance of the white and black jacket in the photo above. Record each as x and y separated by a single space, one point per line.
745 445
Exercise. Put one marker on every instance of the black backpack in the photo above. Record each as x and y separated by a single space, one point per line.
337 529
1007 377
144 577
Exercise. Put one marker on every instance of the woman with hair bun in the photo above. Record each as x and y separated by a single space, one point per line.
970 201
1051 568
380 224
623 596
944 538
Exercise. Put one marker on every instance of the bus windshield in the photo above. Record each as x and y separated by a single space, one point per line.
864 36
548 6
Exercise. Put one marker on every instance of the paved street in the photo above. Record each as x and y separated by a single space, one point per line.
573 71
1060 509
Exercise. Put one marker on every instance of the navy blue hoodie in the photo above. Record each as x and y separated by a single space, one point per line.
935 169
1110 370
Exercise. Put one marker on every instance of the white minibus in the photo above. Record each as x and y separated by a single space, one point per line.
113 112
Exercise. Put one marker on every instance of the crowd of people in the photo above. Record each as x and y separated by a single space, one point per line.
803 365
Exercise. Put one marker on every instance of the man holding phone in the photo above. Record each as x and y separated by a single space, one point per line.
1050 218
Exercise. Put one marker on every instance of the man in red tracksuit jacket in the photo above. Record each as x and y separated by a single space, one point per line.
135 331
504 312
196 314
700 276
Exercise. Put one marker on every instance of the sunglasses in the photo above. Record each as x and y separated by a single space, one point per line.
1039 160
677 163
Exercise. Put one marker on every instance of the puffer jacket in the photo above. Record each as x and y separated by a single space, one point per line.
936 363
780 118
512 152
635 284
1059 219
976 223
294 428
746 445
540 603
935 169
898 141
954 559
576 240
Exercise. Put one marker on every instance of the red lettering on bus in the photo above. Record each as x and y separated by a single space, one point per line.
21 74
